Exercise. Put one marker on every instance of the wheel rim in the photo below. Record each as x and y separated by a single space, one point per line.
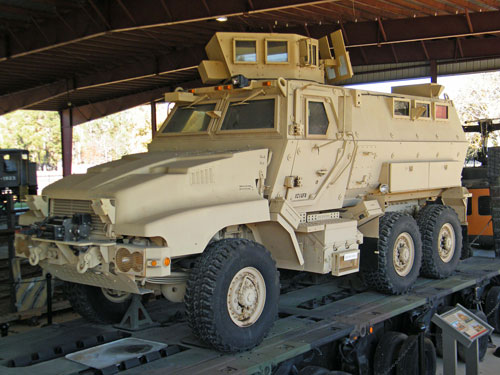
446 242
246 297
403 254
116 296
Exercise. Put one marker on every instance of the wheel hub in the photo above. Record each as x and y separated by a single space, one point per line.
246 297
115 296
446 242
403 254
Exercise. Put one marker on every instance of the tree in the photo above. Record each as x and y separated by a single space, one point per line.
35 131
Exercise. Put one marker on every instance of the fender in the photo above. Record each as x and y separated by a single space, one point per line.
189 231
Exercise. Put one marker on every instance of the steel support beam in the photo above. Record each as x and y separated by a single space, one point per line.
93 111
89 22
160 66
434 71
66 118
153 119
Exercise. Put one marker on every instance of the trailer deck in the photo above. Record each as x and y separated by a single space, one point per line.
309 317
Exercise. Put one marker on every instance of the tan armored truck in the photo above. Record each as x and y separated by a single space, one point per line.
268 168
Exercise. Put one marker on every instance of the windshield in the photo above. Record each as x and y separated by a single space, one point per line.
190 119
257 114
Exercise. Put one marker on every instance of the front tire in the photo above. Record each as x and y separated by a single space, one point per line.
441 240
95 304
399 255
232 295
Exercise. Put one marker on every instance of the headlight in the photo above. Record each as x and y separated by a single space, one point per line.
126 261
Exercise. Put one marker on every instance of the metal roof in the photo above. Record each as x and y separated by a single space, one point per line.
99 55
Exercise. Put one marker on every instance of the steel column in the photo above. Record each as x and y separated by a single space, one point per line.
66 118
153 119
434 71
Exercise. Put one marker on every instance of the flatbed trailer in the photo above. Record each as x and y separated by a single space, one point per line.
328 323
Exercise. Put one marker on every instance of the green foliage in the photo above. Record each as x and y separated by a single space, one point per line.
111 137
36 131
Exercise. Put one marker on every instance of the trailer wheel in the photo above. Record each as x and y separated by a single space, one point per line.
399 255
441 240
482 341
95 304
237 287
492 307
408 359
386 353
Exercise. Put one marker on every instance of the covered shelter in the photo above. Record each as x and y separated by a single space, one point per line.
90 58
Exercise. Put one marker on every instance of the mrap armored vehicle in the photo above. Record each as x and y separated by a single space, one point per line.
267 168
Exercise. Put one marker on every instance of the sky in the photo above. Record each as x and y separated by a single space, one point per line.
451 83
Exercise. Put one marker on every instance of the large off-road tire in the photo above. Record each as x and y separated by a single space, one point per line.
386 353
399 255
409 360
441 240
96 304
492 307
232 295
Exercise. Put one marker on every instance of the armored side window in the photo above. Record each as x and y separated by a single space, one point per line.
276 51
245 51
256 114
440 111
483 205
189 119
317 119
426 107
401 108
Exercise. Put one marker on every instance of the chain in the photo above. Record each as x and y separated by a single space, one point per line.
400 358
494 309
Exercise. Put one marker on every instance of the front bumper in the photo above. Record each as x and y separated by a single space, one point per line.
99 263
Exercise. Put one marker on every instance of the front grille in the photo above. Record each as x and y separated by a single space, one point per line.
68 207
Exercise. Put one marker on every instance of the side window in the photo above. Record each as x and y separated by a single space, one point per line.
441 111
483 205
401 108
317 119
469 206
245 51
426 114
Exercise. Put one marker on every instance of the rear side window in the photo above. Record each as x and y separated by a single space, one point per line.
256 114
483 205
317 118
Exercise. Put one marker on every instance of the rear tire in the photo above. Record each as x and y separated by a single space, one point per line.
399 255
95 304
492 308
236 286
387 352
409 361
441 240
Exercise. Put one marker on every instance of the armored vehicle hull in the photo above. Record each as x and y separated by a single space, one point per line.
246 178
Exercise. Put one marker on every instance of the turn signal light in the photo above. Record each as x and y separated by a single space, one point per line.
166 262
153 263
218 88
266 83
